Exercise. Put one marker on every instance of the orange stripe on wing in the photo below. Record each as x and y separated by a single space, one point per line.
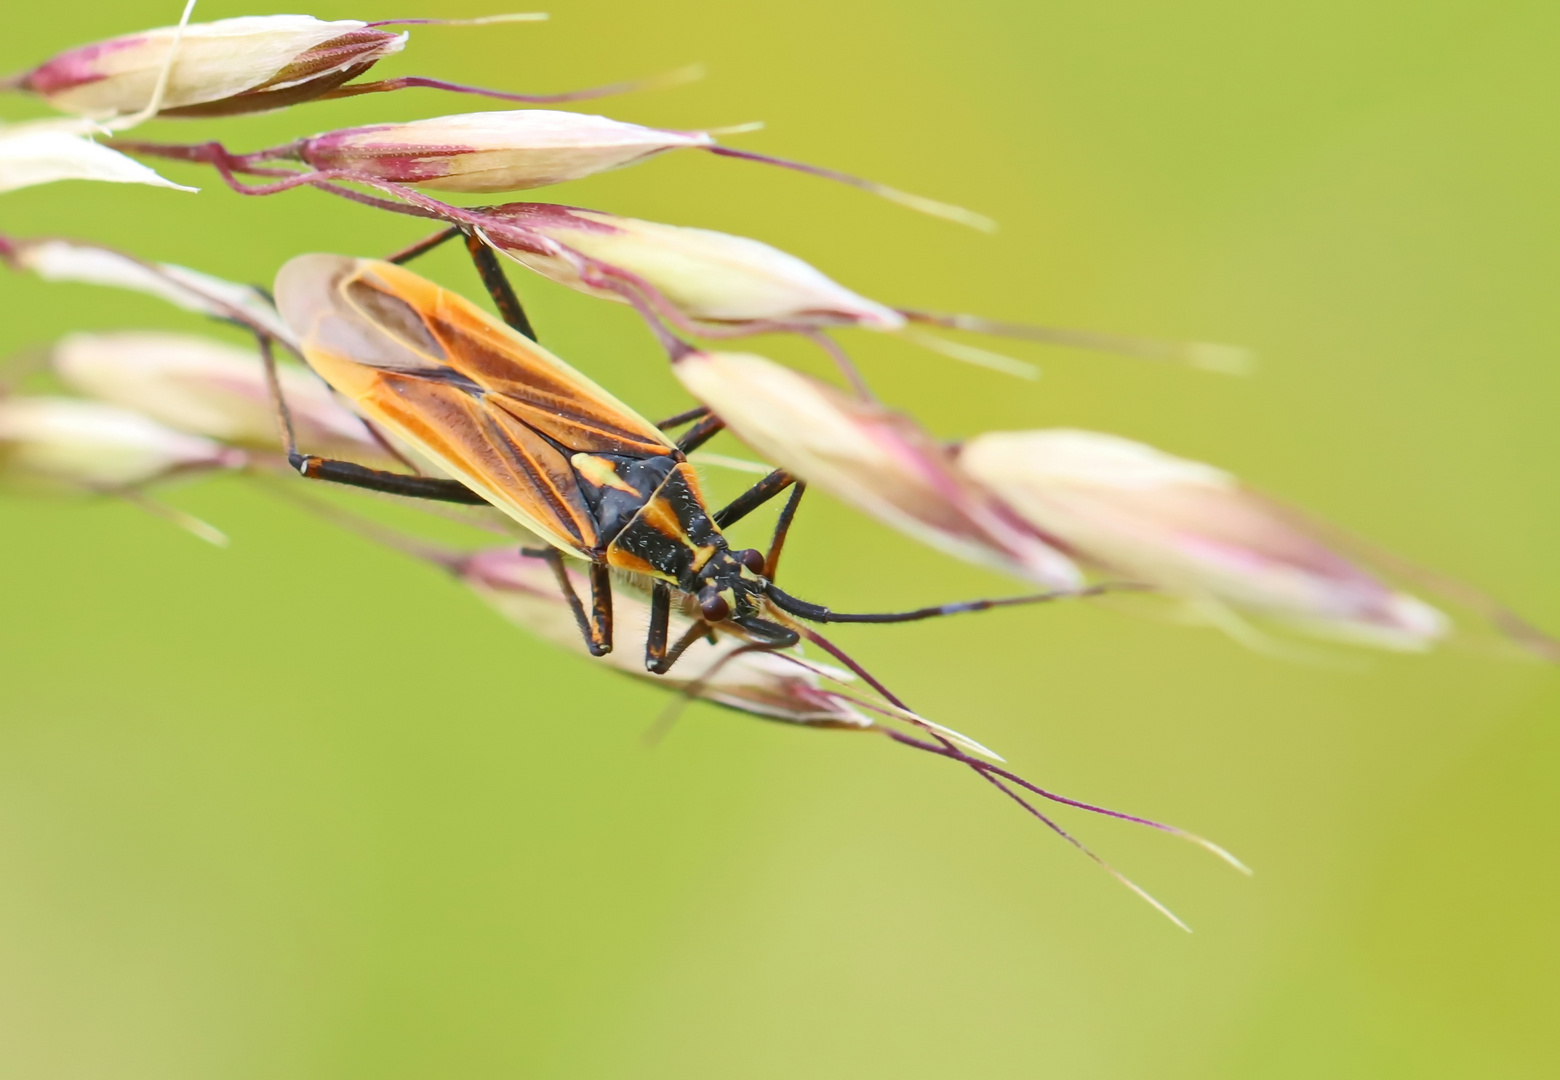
525 379
502 459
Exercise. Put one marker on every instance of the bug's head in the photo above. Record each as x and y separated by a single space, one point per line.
731 590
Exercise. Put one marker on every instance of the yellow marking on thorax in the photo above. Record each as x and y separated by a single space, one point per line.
600 472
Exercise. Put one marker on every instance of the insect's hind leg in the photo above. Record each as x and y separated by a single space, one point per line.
432 488
596 627
497 284
488 268
346 472
423 246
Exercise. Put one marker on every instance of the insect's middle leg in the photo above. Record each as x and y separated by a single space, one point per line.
497 284
698 630
423 246
660 626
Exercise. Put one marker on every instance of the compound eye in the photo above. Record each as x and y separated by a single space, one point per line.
713 605
752 558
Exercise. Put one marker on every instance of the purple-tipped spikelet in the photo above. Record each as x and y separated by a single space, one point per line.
1192 531
872 458
250 64
701 275
490 152
716 285
246 64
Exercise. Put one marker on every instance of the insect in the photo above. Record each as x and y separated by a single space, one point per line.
523 431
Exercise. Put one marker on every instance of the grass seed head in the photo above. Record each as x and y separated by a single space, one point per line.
872 458
1193 531
33 154
246 64
89 445
492 151
206 387
92 264
708 276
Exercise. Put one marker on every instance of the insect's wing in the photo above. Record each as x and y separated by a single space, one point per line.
519 375
489 451
391 342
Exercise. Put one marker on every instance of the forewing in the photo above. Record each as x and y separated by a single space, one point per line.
520 376
488 450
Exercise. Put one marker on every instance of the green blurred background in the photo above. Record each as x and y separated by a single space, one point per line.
300 808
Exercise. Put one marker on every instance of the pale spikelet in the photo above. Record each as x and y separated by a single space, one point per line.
708 276
31 155
492 151
69 260
871 458
210 388
260 57
1193 531
91 446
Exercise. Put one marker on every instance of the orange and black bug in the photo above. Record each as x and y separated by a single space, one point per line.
523 431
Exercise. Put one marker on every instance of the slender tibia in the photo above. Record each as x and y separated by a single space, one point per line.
692 634
497 284
754 497
561 573
346 472
700 433
660 625
423 246
682 418
412 487
782 529
601 605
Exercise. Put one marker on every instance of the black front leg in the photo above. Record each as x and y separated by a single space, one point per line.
753 498
601 605
692 634
782 530
700 433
